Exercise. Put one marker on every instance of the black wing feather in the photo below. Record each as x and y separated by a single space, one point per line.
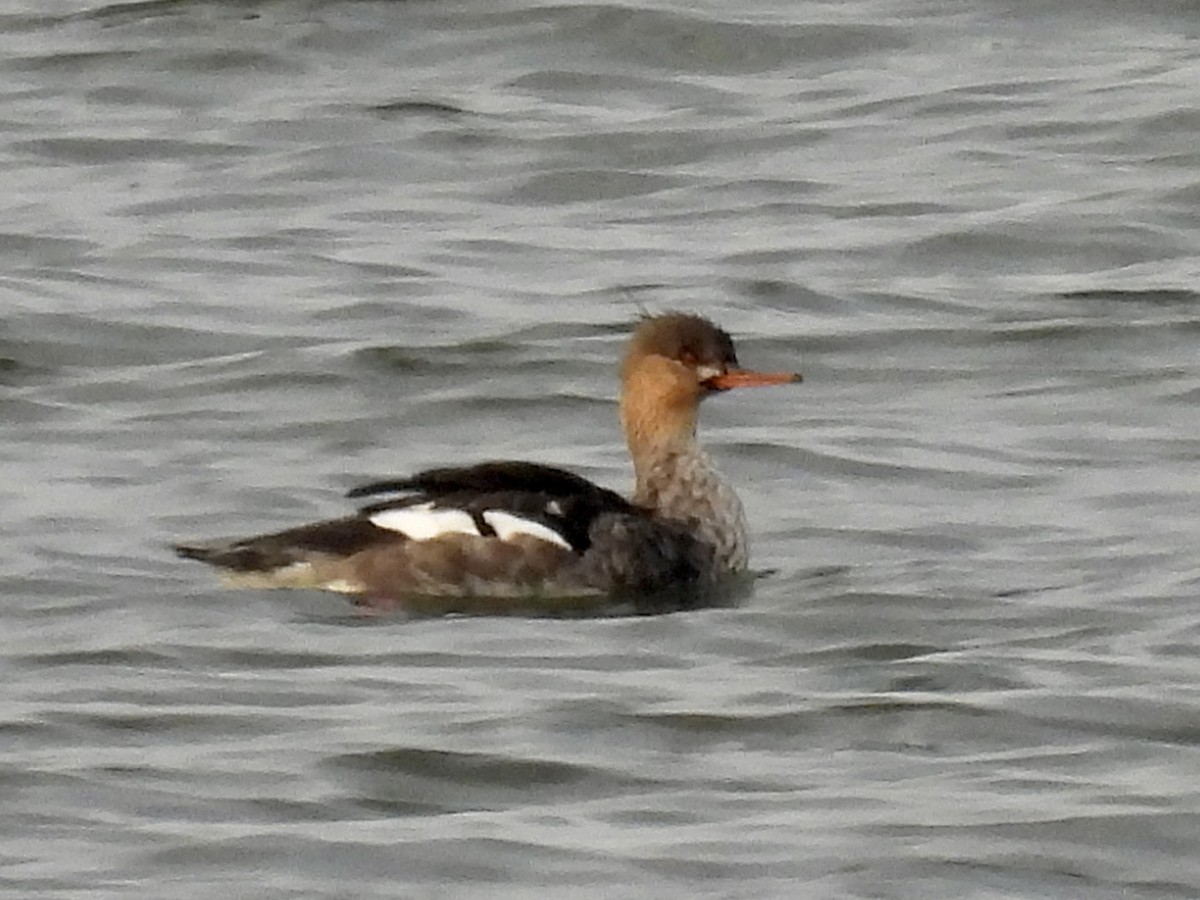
556 498
492 478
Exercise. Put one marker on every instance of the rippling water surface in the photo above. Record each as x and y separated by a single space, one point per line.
254 252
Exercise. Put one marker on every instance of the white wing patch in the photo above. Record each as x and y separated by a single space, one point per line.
424 523
508 526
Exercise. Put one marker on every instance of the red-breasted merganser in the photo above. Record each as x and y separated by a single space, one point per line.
513 536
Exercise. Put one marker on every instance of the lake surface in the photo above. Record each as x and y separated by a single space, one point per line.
254 253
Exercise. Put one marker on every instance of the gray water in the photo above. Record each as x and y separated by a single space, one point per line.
253 253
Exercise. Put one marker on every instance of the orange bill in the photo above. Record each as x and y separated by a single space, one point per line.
740 378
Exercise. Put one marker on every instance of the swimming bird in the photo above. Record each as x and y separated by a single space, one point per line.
508 536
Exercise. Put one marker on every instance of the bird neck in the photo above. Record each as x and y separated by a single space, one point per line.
676 479
658 414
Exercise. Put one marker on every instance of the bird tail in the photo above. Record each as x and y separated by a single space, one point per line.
305 557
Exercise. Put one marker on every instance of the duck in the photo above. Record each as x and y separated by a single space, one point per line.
507 536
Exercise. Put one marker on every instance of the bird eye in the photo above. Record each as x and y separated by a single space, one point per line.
688 358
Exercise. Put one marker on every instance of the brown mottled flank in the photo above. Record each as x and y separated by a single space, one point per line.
684 529
460 565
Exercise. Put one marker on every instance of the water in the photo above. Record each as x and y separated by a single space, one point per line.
255 253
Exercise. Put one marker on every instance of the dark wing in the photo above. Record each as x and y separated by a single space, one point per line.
546 496
493 477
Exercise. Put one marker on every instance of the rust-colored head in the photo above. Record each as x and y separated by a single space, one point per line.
673 362
697 347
